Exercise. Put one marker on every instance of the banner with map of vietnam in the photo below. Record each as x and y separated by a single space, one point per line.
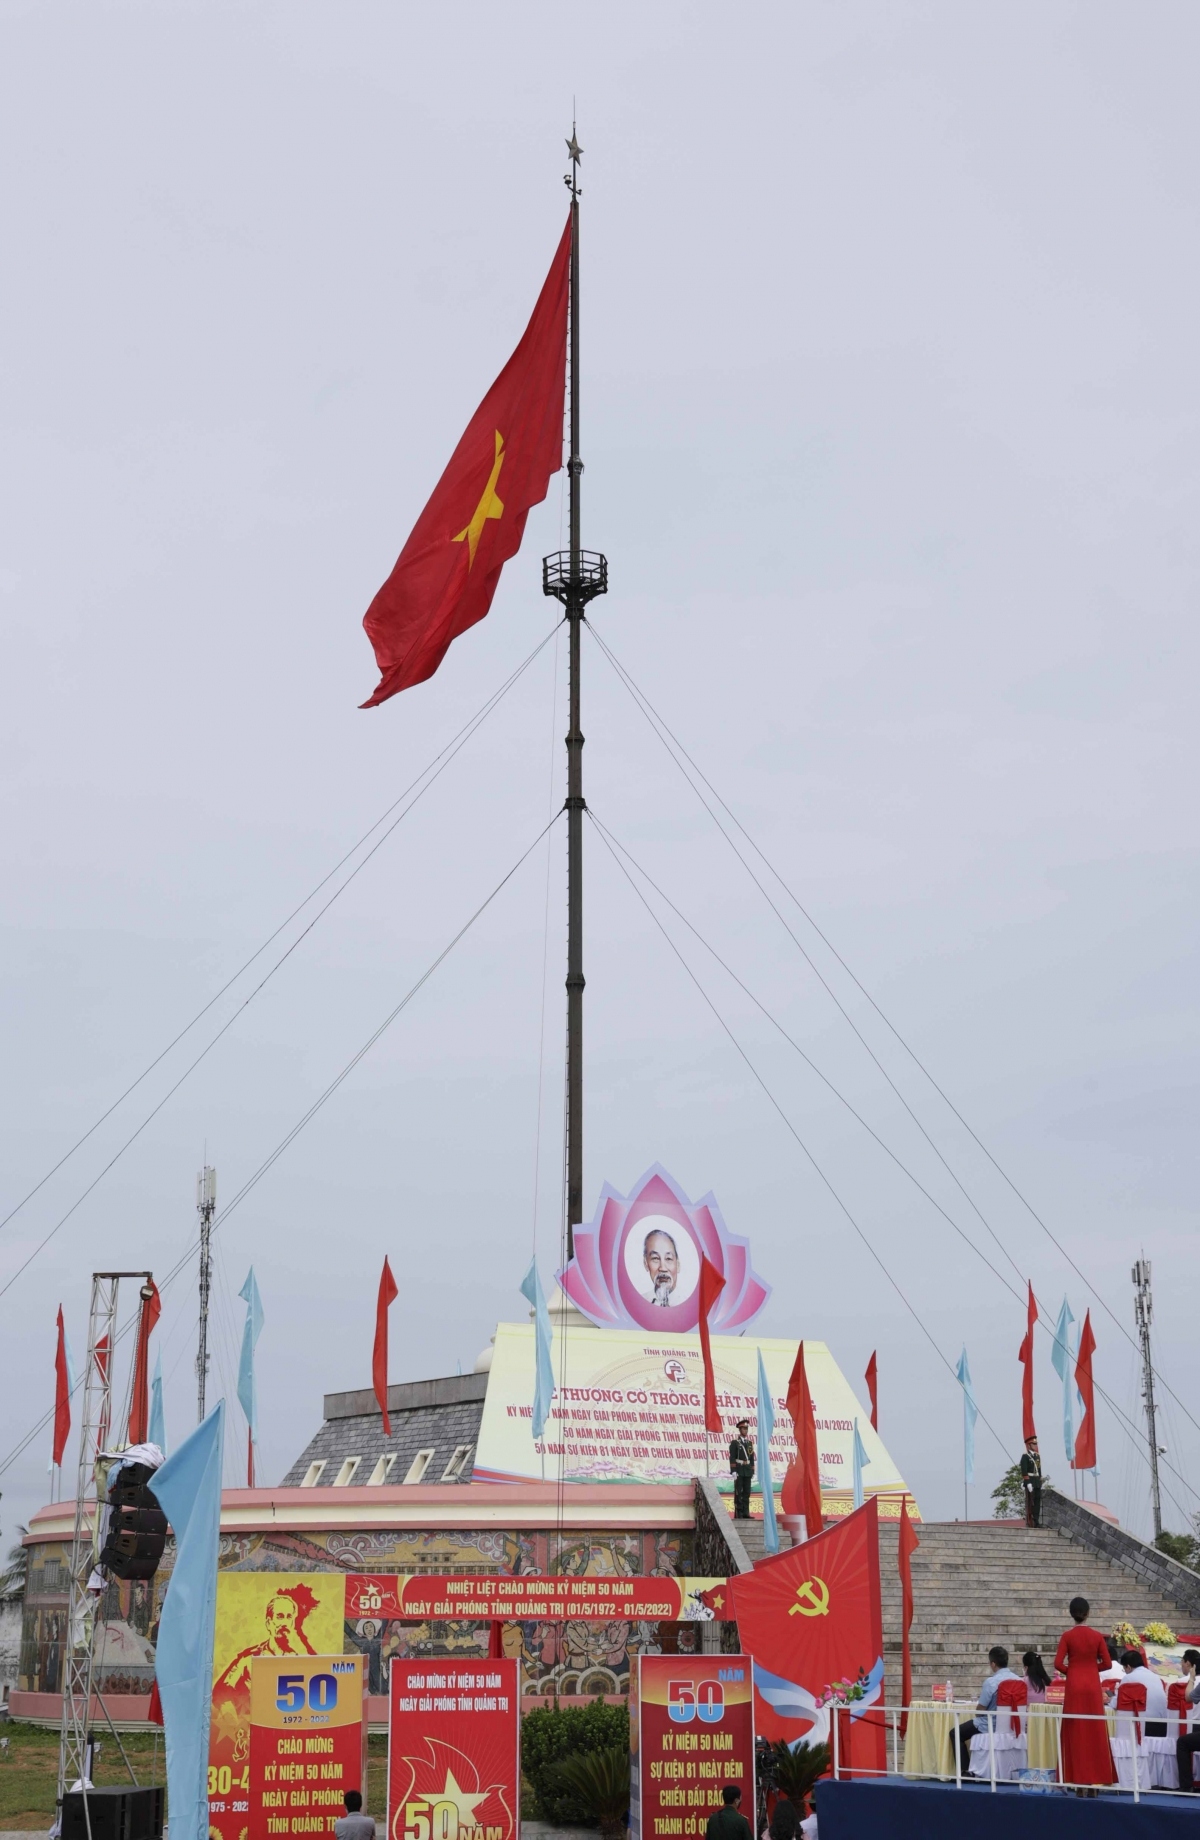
454 1755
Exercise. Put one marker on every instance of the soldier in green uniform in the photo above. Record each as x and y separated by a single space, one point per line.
741 1462
1031 1481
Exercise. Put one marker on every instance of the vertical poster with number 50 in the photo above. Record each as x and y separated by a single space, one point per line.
691 1732
454 1766
308 1742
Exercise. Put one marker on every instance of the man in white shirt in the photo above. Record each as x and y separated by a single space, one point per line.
1156 1692
962 1734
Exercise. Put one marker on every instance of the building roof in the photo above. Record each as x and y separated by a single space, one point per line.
435 1427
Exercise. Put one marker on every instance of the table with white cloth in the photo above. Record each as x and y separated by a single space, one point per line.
927 1744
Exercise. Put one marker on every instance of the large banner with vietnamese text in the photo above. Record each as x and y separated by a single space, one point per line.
308 1742
629 1407
527 1596
691 1732
813 1622
286 1615
454 1762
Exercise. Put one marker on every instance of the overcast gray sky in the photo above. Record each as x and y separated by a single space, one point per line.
890 419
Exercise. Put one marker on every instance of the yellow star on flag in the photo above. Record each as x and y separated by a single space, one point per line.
489 506
466 1804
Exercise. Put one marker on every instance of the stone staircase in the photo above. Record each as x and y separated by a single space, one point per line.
976 1584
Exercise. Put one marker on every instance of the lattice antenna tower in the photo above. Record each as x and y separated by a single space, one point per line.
206 1207
1143 1309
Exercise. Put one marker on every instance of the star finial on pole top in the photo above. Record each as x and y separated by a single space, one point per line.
573 147
571 179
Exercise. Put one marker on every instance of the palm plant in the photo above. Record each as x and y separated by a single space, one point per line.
599 1780
796 1770
16 1569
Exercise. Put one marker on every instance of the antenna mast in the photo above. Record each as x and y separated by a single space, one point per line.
574 577
206 1207
1143 1309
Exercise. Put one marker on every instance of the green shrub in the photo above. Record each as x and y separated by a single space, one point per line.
599 1782
549 1736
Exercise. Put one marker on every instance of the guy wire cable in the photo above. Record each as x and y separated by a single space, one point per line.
247 1000
1129 1428
1043 1315
465 733
285 1142
661 728
790 1127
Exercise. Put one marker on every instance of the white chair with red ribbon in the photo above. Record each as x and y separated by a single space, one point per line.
1005 1739
1128 1743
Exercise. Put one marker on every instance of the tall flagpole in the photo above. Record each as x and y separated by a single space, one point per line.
575 578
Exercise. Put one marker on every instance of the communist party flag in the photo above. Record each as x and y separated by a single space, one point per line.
813 1618
62 1393
1085 1437
1025 1356
139 1401
449 569
802 1482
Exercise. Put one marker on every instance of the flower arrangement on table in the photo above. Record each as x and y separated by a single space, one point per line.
844 1692
1161 1634
1124 1636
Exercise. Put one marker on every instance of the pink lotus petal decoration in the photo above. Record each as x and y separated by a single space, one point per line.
637 1264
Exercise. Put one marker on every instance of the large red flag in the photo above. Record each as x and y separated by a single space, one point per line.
448 570
62 1393
873 1390
379 1356
139 1401
812 1617
1085 1437
801 1492
711 1286
1025 1356
908 1546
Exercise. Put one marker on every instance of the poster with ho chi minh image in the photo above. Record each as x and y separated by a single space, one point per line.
454 1764
308 1743
288 1616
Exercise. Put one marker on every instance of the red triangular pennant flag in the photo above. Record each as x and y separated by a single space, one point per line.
711 1286
62 1393
379 1354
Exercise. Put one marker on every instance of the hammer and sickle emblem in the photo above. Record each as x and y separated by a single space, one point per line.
812 1598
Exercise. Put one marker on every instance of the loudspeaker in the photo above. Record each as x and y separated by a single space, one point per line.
123 1813
137 1526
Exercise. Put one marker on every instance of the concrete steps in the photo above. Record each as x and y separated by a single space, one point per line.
977 1584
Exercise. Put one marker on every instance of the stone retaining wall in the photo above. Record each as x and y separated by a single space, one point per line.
1076 1521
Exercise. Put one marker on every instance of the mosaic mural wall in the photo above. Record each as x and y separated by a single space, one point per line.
574 1657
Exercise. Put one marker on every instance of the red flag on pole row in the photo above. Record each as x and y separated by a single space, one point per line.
802 1482
448 570
139 1400
62 1393
812 1618
1085 1437
711 1286
873 1390
908 1546
379 1356
1025 1356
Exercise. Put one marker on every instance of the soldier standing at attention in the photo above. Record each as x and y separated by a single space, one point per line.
1031 1482
741 1462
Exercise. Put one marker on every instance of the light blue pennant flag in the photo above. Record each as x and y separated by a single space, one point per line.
158 1418
1064 1366
766 1427
861 1459
543 1388
970 1414
247 1391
